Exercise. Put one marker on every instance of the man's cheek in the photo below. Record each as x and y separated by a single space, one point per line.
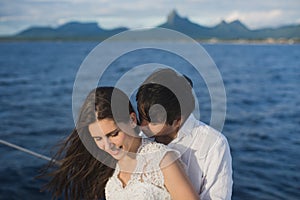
155 129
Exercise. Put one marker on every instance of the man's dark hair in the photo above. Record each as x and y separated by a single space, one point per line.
168 89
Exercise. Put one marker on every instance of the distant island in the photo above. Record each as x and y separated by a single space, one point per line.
233 31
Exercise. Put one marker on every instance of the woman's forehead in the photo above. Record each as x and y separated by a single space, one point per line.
102 127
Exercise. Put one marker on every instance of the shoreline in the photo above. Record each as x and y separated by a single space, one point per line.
208 41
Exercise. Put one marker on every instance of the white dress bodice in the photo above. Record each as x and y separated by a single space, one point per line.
147 181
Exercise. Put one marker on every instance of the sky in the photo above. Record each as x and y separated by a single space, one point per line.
17 15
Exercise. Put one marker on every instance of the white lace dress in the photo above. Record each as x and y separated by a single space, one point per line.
147 181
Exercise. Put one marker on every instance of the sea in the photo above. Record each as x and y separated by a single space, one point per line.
262 121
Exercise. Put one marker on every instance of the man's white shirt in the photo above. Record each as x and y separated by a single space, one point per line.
206 154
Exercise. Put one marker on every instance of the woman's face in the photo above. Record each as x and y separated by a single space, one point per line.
110 138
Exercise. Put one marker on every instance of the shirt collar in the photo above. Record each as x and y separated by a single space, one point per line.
188 126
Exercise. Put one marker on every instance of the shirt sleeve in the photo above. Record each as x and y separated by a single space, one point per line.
217 172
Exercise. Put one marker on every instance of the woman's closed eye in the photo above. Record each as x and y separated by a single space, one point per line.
114 134
98 139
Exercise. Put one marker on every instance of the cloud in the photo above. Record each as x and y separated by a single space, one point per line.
256 19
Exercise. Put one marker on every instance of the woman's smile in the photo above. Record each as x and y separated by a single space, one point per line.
110 138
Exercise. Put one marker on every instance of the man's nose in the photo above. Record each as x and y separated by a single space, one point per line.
145 127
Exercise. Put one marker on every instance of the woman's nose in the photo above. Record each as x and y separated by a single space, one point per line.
107 144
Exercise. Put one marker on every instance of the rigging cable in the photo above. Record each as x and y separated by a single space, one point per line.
28 151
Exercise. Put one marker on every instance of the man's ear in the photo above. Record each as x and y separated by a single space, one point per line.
133 120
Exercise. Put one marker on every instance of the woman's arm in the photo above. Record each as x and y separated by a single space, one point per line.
176 180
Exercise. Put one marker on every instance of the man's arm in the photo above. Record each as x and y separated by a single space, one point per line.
217 172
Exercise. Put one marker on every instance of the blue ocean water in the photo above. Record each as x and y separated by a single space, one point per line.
263 110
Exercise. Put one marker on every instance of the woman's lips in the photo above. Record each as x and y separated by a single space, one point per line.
115 150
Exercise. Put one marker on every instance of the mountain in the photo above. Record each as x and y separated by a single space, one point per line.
222 31
184 25
72 30
291 31
232 30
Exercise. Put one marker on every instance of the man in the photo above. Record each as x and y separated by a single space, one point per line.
165 103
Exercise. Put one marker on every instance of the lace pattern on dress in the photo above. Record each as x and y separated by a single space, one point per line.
147 181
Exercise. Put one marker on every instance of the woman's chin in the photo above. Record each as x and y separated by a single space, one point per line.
118 155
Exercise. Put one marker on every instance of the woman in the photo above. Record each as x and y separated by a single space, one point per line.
104 156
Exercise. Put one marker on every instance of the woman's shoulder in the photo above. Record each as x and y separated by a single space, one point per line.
150 146
154 152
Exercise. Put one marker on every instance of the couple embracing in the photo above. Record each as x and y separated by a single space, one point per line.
107 156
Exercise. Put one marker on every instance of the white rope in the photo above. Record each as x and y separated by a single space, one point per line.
28 151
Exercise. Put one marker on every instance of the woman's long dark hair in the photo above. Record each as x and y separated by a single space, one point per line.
78 172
